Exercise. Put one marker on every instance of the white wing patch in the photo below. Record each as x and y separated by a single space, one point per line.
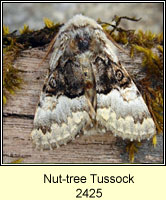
126 116
62 119
87 90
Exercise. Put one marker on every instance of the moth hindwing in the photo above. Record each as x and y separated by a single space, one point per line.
88 90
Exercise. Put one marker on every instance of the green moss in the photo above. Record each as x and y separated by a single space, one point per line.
48 23
150 60
5 30
13 44
20 160
121 37
152 83
132 148
25 30
11 79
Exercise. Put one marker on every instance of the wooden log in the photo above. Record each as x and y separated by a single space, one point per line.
18 116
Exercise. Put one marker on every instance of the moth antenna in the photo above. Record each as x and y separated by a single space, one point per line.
48 51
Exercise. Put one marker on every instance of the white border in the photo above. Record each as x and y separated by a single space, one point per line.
65 164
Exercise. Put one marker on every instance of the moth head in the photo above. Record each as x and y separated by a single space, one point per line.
80 42
83 41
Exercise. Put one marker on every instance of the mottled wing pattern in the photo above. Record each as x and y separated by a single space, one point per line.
62 110
120 106
88 90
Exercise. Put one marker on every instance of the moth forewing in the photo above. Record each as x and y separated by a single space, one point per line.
87 88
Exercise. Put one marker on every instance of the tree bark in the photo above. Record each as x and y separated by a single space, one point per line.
18 116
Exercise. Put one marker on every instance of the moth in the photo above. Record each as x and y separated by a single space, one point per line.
88 91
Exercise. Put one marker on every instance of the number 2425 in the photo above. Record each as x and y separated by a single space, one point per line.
89 193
